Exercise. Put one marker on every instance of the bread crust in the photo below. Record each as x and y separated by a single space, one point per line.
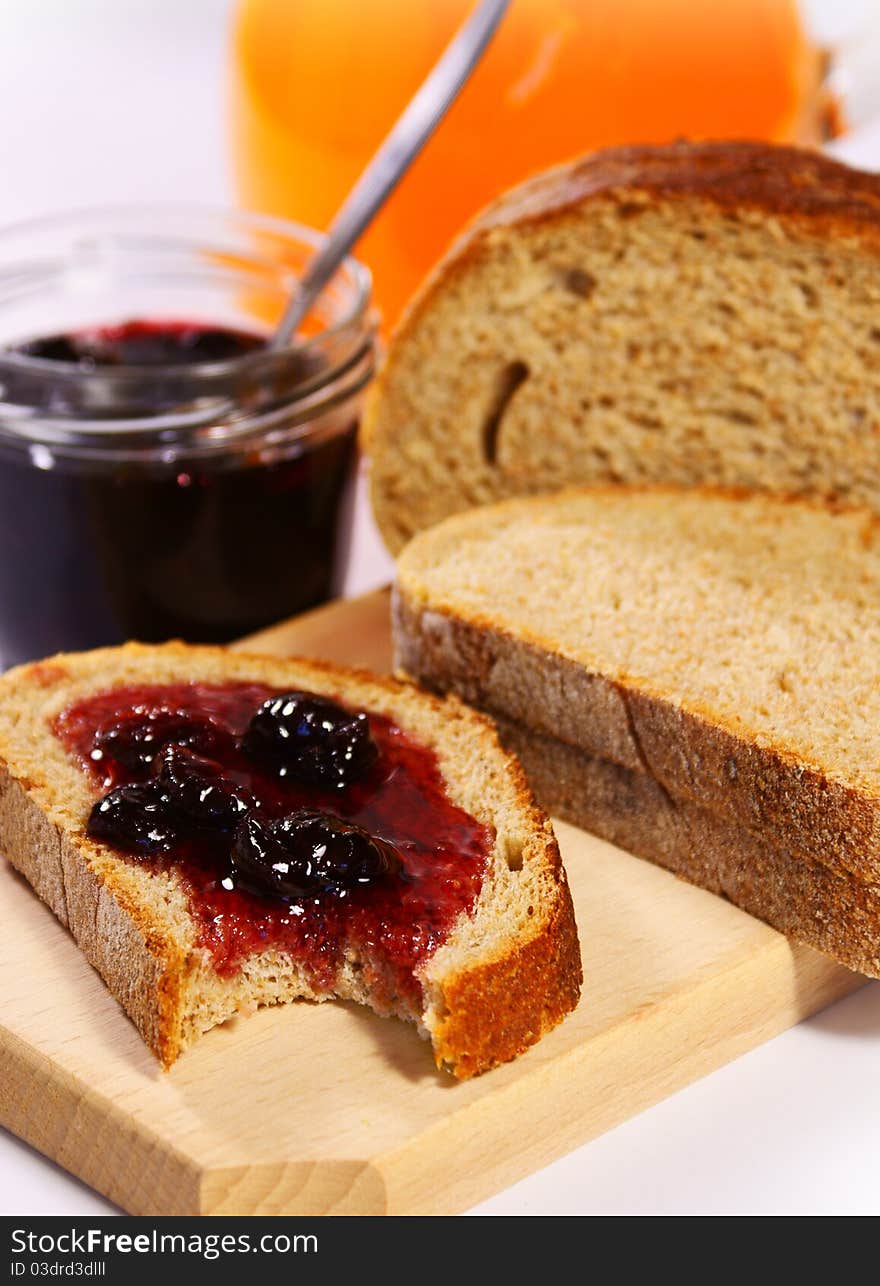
494 1012
686 751
732 175
138 961
150 963
832 911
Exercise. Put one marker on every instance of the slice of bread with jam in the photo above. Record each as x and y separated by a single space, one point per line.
221 831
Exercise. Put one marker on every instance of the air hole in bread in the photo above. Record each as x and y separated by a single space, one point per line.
513 853
577 281
645 421
509 379
630 209
734 415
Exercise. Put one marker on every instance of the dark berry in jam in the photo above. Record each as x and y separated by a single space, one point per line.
136 740
307 854
134 818
388 860
312 739
199 796
145 343
139 541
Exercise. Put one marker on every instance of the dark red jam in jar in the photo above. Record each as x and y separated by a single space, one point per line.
144 343
165 475
189 774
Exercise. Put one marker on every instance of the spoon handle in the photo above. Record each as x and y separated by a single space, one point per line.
407 138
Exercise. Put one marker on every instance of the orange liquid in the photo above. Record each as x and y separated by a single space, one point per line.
318 83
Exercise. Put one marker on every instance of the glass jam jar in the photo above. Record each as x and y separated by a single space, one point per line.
201 497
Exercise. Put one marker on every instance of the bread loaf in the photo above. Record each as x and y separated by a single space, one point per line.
694 313
829 909
722 649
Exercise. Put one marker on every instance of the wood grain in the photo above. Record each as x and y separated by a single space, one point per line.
328 1109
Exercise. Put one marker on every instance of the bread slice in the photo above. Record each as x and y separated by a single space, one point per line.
828 909
506 974
725 646
692 313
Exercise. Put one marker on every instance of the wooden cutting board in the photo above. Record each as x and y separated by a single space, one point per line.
311 1109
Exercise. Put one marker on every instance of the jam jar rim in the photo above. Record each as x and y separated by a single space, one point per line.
219 422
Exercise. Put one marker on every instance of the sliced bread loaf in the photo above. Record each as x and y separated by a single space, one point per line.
505 971
727 646
693 313
826 908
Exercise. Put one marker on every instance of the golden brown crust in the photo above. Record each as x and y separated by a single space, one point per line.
495 1011
732 175
145 949
832 911
488 1013
498 1010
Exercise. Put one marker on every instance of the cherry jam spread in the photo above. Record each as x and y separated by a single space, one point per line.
292 821
112 546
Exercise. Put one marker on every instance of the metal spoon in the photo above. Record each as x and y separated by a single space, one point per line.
407 138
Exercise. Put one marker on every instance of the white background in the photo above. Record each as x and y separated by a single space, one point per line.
124 100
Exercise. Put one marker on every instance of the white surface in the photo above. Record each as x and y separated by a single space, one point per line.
110 100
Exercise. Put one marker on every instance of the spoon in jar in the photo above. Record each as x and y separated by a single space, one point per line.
408 136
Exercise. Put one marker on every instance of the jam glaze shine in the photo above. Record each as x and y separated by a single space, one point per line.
394 923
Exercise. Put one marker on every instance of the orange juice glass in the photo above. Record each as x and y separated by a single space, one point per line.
318 83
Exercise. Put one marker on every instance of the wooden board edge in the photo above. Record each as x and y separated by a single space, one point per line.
61 1116
299 1188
